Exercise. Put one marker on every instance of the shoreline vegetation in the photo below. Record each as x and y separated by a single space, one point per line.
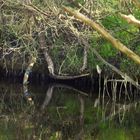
68 43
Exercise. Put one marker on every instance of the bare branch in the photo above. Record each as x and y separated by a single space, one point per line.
131 20
116 43
50 62
123 75
43 47
28 70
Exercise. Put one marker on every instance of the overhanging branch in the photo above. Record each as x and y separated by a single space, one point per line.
116 43
131 20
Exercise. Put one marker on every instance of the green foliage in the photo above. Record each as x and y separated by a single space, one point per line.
130 67
115 134
120 28
67 59
104 48
92 61
114 21
107 51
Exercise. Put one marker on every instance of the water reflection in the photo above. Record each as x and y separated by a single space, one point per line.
61 112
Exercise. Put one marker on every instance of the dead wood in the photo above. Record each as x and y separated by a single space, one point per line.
116 43
131 20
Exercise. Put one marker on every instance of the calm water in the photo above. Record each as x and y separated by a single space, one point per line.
58 112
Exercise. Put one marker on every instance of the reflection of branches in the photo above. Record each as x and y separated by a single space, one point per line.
26 77
112 108
122 108
116 109
55 85
82 108
48 96
27 94
49 93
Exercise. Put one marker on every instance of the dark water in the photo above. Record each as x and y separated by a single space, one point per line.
59 112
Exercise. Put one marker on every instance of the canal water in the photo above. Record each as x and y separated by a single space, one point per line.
56 111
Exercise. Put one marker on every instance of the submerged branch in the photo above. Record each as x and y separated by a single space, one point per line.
50 91
48 97
116 43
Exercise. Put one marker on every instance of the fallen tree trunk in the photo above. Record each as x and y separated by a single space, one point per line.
116 43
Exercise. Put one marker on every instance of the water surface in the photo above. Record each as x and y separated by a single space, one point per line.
60 112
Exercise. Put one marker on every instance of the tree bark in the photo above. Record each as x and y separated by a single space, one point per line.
44 49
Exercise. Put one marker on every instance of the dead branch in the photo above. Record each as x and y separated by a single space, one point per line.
44 49
84 59
50 62
28 70
131 20
123 75
24 7
48 97
116 43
